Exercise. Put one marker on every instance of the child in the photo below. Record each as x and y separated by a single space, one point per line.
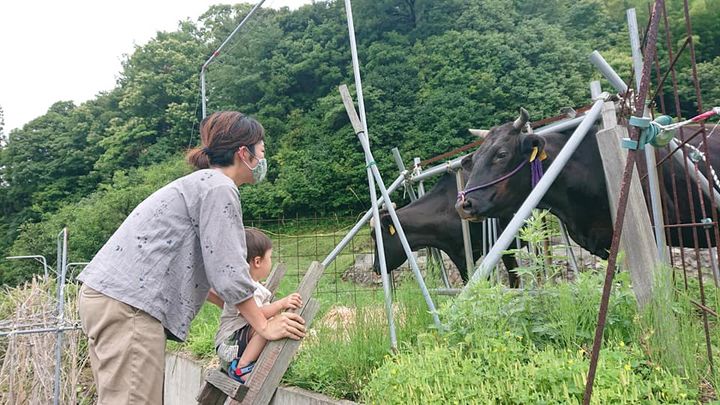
236 343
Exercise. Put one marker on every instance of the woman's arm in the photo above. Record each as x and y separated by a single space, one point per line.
215 299
223 252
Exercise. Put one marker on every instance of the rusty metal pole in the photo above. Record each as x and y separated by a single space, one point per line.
649 56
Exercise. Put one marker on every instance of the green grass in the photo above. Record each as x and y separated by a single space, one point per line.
342 352
504 346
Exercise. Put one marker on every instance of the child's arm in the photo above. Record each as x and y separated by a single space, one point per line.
292 301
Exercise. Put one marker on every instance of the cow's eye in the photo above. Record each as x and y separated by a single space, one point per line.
501 155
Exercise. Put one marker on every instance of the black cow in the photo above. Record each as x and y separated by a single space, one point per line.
431 221
578 196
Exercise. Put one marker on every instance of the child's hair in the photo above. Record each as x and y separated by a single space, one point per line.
257 243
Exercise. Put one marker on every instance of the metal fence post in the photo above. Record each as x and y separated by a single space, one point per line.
62 266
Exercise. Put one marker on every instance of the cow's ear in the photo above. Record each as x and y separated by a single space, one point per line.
467 163
387 223
531 141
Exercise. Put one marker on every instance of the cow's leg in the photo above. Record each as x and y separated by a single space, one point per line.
458 259
509 259
511 264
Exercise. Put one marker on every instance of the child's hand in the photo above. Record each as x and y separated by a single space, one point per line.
292 301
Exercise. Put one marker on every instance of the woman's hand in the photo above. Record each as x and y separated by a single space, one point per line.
292 301
285 325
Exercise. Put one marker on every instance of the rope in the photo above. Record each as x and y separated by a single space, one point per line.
535 160
461 194
698 118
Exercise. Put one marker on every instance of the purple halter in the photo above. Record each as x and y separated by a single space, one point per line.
461 194
536 174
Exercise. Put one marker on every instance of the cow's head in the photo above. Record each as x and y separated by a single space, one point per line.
504 149
394 252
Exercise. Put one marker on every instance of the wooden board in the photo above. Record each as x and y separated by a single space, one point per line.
224 387
637 240
275 277
274 362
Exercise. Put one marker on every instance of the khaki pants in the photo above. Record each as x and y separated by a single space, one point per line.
127 350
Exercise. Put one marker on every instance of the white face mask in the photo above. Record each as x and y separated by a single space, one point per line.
259 171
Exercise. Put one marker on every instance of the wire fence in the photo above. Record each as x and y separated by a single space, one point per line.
297 242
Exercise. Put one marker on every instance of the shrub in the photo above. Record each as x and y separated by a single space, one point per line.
562 315
509 346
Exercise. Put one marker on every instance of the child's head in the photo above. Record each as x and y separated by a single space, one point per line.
259 250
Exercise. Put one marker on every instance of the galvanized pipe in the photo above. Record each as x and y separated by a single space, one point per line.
357 125
697 177
533 199
568 248
365 142
63 239
467 242
608 72
418 169
494 239
401 166
39 258
381 256
55 329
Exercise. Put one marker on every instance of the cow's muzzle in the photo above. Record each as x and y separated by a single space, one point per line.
466 208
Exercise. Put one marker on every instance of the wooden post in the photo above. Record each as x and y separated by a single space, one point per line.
467 241
276 275
637 240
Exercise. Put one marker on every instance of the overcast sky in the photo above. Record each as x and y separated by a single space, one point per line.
52 50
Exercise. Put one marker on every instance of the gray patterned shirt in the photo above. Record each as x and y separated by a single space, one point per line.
185 238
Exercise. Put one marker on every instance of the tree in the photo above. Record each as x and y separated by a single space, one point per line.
3 139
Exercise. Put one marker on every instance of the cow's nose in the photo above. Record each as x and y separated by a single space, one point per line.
464 208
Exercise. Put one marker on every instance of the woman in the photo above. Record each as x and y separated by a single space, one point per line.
154 273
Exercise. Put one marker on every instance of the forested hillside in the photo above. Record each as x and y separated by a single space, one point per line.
431 69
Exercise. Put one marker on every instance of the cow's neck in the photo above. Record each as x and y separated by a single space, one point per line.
579 198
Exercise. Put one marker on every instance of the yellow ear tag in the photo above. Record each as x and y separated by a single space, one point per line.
533 154
392 230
